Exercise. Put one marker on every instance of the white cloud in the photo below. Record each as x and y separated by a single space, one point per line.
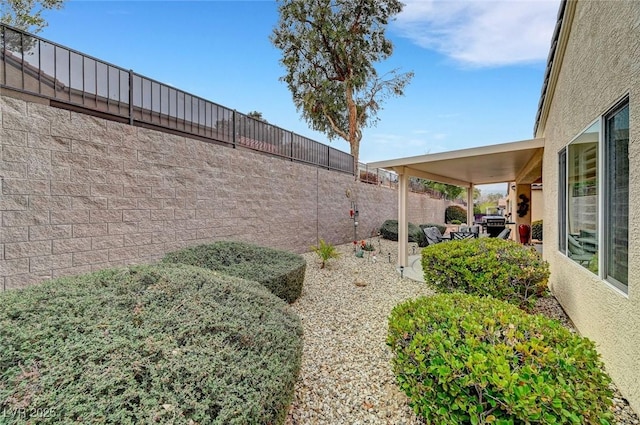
481 32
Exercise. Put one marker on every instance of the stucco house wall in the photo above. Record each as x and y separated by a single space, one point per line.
601 65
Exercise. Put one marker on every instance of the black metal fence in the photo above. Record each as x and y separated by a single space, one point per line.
33 65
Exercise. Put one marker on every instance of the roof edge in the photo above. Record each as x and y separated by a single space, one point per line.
479 150
559 41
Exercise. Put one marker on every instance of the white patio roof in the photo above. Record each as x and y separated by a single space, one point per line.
507 162
519 162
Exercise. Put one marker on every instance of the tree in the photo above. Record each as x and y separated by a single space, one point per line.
26 14
256 115
329 48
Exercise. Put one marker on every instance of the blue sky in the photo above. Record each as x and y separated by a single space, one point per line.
478 64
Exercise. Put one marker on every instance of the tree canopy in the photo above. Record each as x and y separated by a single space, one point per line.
26 14
329 50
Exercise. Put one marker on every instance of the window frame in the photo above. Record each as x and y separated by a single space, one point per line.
605 236
602 216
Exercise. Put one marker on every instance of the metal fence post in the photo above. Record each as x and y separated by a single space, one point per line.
233 124
291 146
131 97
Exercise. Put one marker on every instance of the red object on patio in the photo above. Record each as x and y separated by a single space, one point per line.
525 231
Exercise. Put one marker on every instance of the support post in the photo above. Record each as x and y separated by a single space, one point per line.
521 190
470 205
403 233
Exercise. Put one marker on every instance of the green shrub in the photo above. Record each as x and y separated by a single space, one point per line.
536 230
455 212
147 344
501 268
468 360
280 271
456 222
389 230
441 227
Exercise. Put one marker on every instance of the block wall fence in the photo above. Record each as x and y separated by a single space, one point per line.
81 193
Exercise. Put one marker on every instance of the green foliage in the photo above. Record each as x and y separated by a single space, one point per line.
147 344
536 230
455 212
456 222
325 251
462 359
389 230
329 54
501 268
367 246
441 227
280 271
449 191
27 14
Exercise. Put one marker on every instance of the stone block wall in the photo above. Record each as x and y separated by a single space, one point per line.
81 193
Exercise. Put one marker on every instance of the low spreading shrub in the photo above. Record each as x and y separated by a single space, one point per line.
462 359
441 227
280 271
389 230
501 268
147 344
455 212
536 230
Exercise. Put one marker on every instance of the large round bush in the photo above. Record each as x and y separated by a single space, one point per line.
441 227
501 268
280 271
455 212
389 231
147 344
462 359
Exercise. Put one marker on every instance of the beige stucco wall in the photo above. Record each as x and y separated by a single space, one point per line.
80 193
537 204
601 65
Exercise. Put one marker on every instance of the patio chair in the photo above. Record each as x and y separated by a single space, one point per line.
433 235
577 253
506 232
463 235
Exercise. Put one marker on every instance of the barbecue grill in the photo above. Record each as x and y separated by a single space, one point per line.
494 224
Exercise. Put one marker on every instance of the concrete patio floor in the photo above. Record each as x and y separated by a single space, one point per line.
414 270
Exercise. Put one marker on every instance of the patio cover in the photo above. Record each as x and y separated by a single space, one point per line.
519 162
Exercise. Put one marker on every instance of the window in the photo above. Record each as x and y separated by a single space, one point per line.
582 198
616 161
589 238
562 200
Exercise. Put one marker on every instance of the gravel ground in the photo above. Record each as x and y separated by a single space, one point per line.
346 376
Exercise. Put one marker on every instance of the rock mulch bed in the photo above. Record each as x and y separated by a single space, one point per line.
346 375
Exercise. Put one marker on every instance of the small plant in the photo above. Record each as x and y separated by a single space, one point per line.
325 251
536 230
462 359
367 246
501 268
456 222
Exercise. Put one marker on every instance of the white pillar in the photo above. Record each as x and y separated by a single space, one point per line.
403 233
470 205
